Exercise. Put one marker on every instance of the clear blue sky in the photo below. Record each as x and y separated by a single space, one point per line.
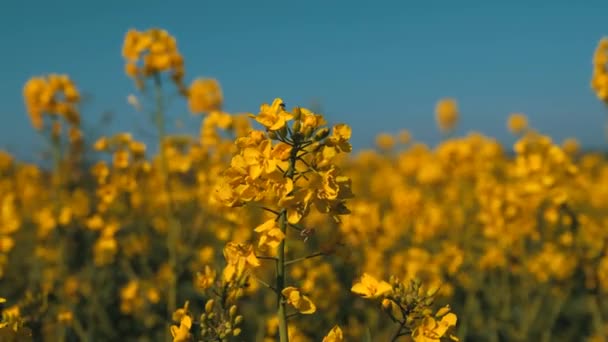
379 66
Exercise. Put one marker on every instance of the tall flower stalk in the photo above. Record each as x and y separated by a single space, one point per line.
287 169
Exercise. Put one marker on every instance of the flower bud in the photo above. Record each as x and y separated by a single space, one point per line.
297 113
232 311
307 132
209 306
297 126
321 134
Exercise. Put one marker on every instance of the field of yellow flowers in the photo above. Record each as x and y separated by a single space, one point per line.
266 228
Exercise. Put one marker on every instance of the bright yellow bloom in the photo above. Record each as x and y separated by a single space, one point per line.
205 279
300 302
370 287
182 333
432 331
334 335
239 258
273 117
270 234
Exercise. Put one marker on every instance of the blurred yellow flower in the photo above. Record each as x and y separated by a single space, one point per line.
446 114
205 95
517 123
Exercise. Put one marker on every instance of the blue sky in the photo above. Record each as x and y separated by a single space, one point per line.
379 66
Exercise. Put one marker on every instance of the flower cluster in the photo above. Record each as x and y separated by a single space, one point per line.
54 95
152 52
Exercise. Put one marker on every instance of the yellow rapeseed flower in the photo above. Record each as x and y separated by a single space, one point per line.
300 302
432 331
334 335
270 234
204 95
370 287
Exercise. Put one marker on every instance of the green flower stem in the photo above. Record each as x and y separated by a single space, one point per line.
57 183
280 281
281 261
174 226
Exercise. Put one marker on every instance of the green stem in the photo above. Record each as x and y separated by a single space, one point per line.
57 183
281 261
174 228
280 281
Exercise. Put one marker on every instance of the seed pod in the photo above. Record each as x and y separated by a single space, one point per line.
232 311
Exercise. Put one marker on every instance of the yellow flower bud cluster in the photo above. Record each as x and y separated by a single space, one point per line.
152 52
218 324
599 79
54 95
409 306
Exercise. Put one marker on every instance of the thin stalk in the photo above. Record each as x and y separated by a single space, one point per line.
281 261
57 183
174 228
280 281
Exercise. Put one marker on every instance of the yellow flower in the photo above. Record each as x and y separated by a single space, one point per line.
182 333
274 116
517 123
571 146
385 141
334 335
205 95
271 234
370 287
300 302
446 114
432 331
239 258
205 279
